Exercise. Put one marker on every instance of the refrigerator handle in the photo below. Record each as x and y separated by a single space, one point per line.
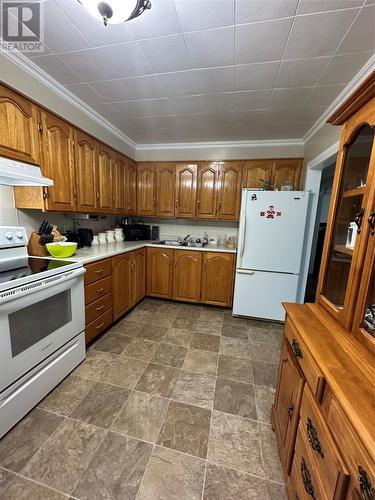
242 234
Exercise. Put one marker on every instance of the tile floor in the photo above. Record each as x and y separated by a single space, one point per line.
173 403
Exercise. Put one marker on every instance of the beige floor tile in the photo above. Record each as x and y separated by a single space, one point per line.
200 361
265 352
159 380
235 369
127 327
112 343
152 332
23 489
95 364
276 491
264 373
271 462
178 336
205 342
234 347
234 331
124 372
265 397
235 397
207 328
195 389
141 349
169 355
6 477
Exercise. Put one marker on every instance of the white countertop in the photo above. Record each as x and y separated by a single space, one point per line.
91 254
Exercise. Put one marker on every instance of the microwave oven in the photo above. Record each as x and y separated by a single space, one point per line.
136 232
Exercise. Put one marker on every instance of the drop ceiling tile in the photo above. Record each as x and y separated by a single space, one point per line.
310 6
214 103
324 95
311 114
261 42
128 108
252 116
214 80
124 60
87 64
361 36
255 99
343 68
197 15
86 93
160 20
113 90
301 73
249 11
178 83
318 34
144 87
57 69
92 29
211 48
166 54
156 107
108 111
256 76
289 98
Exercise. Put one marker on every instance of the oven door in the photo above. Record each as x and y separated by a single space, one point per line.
37 319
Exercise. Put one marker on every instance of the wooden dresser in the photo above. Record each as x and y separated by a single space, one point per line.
324 410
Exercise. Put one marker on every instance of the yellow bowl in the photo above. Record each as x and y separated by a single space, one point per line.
62 250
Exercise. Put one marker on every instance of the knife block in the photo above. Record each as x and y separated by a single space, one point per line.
34 248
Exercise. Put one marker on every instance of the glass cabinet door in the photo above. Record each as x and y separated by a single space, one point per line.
349 219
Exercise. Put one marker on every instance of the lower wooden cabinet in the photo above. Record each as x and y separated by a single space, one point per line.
217 278
138 284
187 275
160 272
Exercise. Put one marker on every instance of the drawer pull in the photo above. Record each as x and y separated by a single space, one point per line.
99 326
312 436
99 308
99 271
290 411
365 486
306 479
99 290
296 349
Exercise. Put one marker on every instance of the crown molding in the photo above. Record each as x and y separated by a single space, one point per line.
48 81
358 79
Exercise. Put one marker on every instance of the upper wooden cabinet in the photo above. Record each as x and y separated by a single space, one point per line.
186 189
229 190
104 173
256 173
18 127
131 187
187 275
58 162
286 170
217 278
165 190
119 174
85 171
146 176
207 190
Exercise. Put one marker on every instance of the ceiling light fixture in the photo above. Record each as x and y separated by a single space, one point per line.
115 11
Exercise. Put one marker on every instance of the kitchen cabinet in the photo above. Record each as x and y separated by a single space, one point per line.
119 173
187 275
160 272
104 174
186 189
207 190
229 190
138 275
217 278
130 187
146 177
85 171
286 170
19 123
256 173
165 190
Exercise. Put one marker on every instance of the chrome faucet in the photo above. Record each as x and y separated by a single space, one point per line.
186 237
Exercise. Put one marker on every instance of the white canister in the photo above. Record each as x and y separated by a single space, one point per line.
102 238
95 240
110 236
119 235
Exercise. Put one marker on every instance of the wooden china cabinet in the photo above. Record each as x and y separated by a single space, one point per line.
324 410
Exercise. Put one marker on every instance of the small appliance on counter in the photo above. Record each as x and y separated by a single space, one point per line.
136 232
85 237
155 233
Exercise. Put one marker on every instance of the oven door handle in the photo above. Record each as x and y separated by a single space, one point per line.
28 289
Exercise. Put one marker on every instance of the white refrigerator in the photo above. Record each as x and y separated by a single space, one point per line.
270 249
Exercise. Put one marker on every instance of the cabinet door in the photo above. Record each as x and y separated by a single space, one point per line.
217 278
256 173
187 275
165 189
186 189
287 170
104 176
160 272
58 162
207 191
138 275
229 190
85 170
130 187
121 284
119 167
146 174
18 127
287 404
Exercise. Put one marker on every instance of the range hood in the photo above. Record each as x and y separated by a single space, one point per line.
16 173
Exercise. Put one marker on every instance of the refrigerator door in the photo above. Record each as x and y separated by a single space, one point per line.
272 230
259 294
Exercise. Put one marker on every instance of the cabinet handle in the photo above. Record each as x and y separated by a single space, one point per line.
290 411
74 191
365 486
313 438
40 127
176 204
198 204
358 219
99 308
371 221
99 271
99 290
97 195
99 326
306 479
296 349
45 193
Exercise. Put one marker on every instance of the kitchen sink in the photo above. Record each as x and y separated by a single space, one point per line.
172 243
192 244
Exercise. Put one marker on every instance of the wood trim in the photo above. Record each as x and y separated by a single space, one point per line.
358 99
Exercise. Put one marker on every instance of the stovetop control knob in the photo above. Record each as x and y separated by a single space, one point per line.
19 235
9 235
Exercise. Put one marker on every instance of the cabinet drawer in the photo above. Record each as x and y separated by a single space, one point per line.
314 376
98 307
97 289
361 466
323 451
98 270
98 326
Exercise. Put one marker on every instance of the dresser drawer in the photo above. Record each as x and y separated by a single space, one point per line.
98 307
98 326
313 375
323 451
98 289
98 270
